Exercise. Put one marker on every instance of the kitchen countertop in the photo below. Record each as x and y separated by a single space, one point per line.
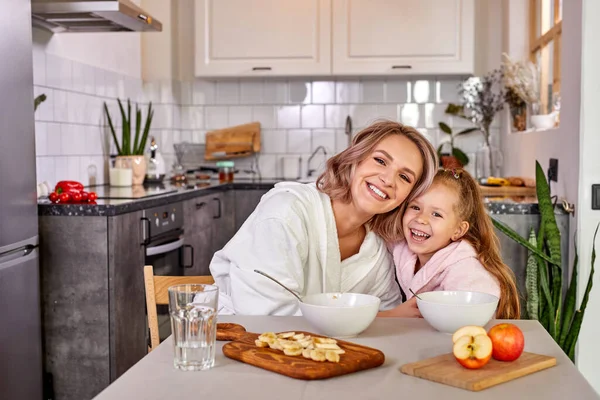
167 193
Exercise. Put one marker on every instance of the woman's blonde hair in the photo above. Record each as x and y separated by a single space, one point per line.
482 237
337 178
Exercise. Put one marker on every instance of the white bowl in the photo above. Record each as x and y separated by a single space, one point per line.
340 314
546 121
447 311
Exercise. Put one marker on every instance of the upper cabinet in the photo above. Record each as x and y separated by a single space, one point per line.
262 37
397 37
333 37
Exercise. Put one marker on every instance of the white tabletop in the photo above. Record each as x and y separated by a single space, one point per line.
402 341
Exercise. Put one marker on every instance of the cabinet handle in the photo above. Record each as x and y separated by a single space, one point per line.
146 238
218 209
401 66
200 205
187 246
261 68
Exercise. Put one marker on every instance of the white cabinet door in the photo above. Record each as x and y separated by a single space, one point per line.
262 37
388 37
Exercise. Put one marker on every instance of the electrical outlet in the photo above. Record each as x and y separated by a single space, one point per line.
596 197
553 170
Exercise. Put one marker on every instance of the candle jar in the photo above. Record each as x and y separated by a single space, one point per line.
225 171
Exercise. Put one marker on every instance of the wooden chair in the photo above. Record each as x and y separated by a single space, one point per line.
157 293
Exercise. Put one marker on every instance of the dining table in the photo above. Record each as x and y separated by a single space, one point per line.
402 340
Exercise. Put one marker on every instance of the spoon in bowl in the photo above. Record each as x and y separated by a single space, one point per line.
279 283
414 294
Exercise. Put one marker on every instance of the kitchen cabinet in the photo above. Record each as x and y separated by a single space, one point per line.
223 224
245 203
262 37
383 37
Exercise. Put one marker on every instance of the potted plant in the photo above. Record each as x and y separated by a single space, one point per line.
561 318
131 153
456 158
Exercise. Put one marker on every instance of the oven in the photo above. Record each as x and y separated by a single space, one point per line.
163 240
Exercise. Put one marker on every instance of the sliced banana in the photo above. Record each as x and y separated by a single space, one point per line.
325 340
267 337
260 343
293 352
330 355
293 344
306 353
299 336
286 335
318 355
328 346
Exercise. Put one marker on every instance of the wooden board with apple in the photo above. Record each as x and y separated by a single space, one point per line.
481 359
243 348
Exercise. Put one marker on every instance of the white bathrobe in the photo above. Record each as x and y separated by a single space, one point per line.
292 236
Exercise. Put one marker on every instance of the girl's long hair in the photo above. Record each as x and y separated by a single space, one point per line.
482 237
337 179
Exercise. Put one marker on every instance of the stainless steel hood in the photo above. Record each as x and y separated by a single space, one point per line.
92 16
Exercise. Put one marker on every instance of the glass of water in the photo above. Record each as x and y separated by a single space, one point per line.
193 310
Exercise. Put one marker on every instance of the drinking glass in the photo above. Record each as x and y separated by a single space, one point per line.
193 309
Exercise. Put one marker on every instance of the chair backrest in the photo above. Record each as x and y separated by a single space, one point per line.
157 293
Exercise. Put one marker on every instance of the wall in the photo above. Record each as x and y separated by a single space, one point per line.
589 164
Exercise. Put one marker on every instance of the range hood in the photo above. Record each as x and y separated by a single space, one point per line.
92 16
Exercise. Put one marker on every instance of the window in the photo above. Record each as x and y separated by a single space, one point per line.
545 47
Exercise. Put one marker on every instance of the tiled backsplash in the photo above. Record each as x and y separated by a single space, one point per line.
296 115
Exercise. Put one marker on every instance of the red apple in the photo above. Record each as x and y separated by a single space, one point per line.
507 342
473 351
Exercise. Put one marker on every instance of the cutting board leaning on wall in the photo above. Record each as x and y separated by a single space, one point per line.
234 142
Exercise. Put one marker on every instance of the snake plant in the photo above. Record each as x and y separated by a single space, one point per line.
125 148
560 317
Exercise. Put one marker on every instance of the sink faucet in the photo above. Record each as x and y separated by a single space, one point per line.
311 171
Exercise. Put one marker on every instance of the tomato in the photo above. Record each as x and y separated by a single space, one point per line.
92 196
53 197
84 196
77 197
64 197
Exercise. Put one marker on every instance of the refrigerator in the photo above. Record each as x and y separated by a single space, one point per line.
20 317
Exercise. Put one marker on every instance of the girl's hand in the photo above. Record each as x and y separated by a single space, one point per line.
408 309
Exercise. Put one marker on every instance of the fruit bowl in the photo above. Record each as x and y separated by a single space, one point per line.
340 315
447 311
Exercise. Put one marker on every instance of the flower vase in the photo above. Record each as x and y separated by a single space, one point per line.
488 161
519 117
137 164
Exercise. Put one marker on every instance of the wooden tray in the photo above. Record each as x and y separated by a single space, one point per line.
234 142
242 348
445 369
507 191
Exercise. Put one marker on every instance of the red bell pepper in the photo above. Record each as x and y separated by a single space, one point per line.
70 187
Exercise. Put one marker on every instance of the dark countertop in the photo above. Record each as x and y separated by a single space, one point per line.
129 199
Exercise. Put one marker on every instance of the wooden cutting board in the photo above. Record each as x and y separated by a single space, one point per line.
509 191
445 369
242 348
237 141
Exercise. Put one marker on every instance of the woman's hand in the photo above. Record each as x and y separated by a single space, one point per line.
408 309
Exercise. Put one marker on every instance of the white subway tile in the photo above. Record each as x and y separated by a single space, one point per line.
300 92
265 115
423 91
447 91
204 92
396 91
268 166
167 141
46 170
429 134
273 141
325 138
61 168
176 110
163 116
186 136
99 81
134 89
410 114
216 117
363 115
239 115
347 92
198 136
89 79
288 117
372 91
298 141
323 92
197 117
61 106
75 172
469 143
434 114
99 166
313 116
335 115
341 140
388 111
110 84
41 139
95 110
251 92
78 79
228 93
166 92
54 139
457 122
73 110
121 87
94 141
39 66
275 92
58 72
186 93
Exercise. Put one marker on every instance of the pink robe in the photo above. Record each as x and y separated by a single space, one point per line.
454 267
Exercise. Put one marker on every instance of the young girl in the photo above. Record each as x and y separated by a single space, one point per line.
450 244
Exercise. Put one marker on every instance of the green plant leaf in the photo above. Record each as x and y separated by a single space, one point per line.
531 281
125 147
138 127
445 128
129 126
465 131
570 303
508 231
112 129
455 109
460 155
579 314
38 100
543 268
149 118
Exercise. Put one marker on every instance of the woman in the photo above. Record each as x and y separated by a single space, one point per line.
328 237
